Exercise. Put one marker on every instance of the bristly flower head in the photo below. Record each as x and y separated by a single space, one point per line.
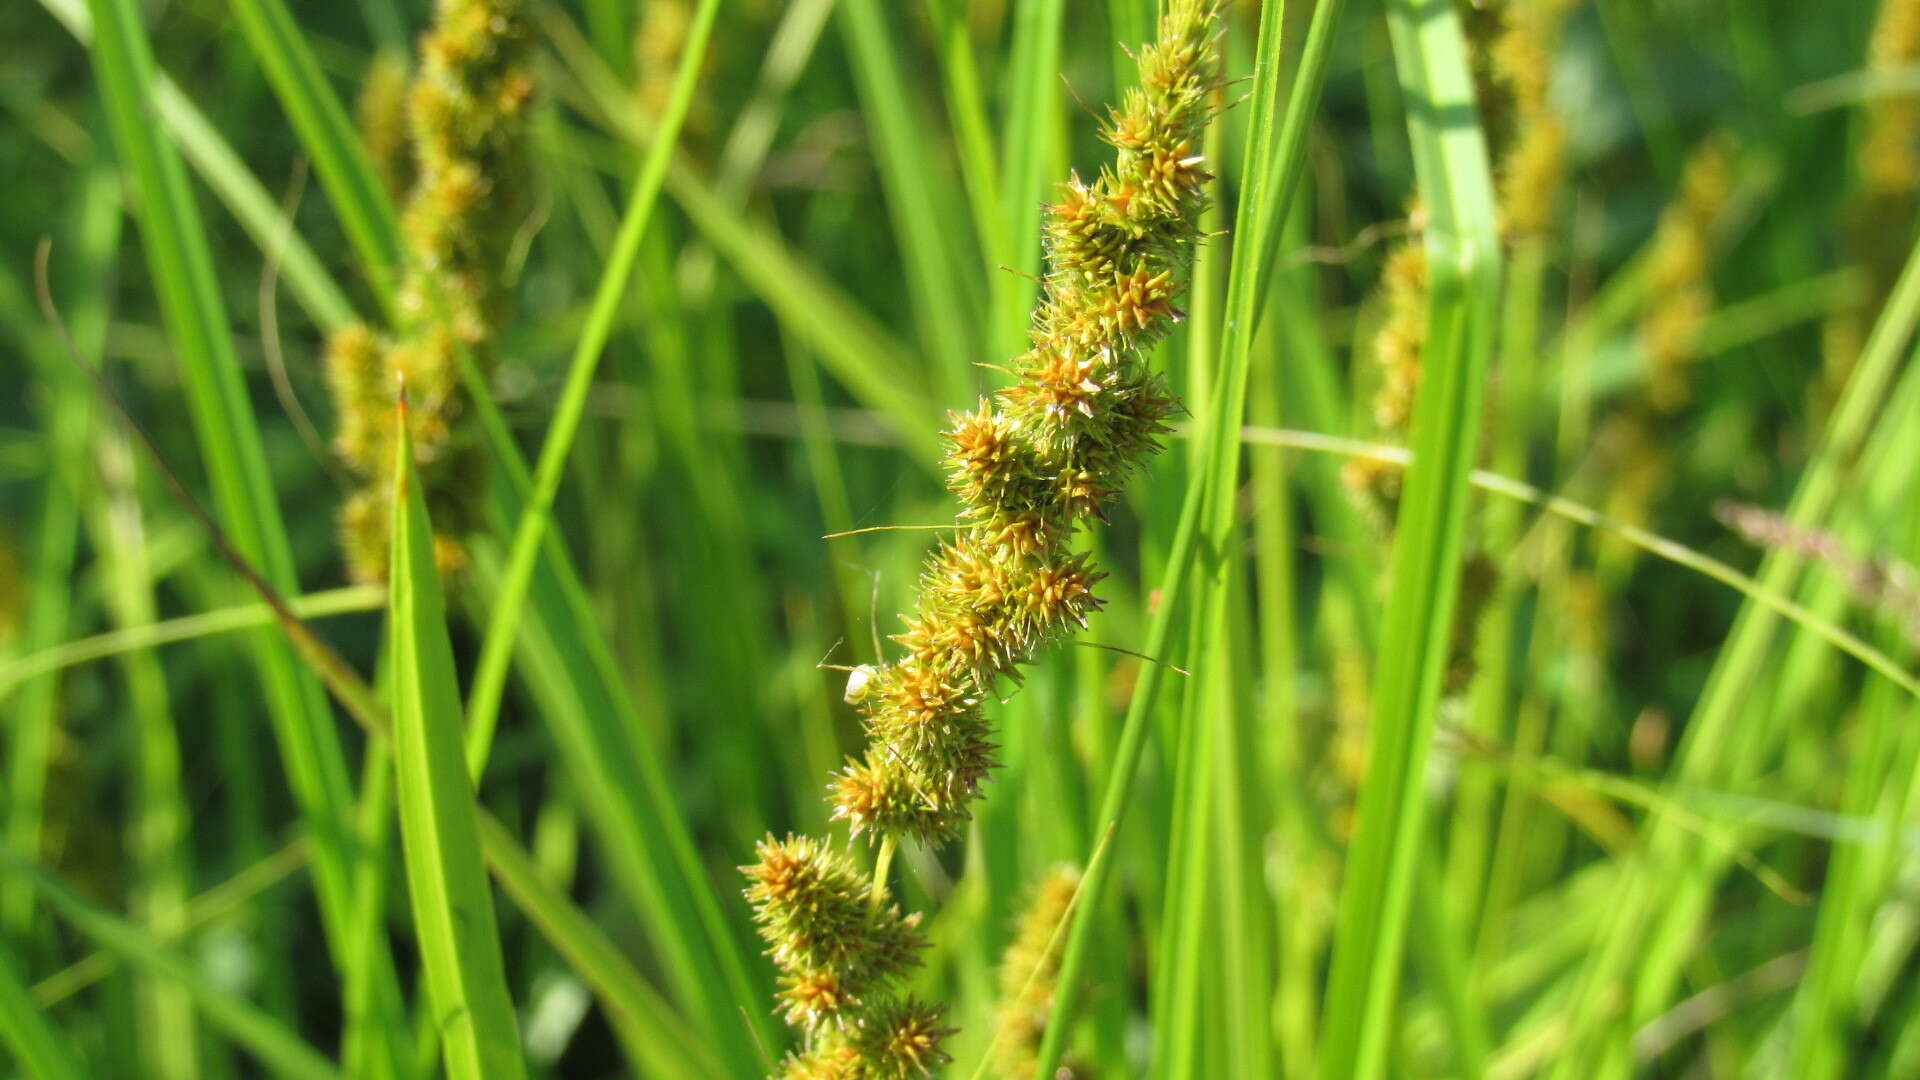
1029 466
1038 460
834 952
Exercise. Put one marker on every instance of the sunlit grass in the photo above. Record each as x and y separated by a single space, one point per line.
1433 724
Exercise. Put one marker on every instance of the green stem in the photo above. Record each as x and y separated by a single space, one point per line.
882 865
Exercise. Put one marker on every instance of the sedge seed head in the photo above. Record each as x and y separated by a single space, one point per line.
833 950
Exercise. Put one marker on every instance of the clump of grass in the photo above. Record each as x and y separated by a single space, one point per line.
468 107
1029 466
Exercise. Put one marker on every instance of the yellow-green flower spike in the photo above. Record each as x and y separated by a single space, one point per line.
1029 466
468 109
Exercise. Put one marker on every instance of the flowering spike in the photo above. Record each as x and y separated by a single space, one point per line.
1029 466
468 110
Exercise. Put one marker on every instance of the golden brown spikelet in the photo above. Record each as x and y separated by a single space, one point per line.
838 956
1029 466
1036 461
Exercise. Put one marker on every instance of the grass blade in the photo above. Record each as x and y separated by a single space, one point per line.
36 1043
915 195
269 1040
236 461
1276 163
490 675
371 222
1463 251
144 636
452 899
652 1034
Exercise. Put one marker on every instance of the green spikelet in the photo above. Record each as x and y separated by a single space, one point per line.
1029 466
468 109
833 951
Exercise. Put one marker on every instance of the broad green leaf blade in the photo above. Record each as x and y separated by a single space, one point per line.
1463 253
472 1012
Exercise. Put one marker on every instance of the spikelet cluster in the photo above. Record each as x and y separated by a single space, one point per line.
836 955
468 108
1036 461
1679 281
1029 466
1029 975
